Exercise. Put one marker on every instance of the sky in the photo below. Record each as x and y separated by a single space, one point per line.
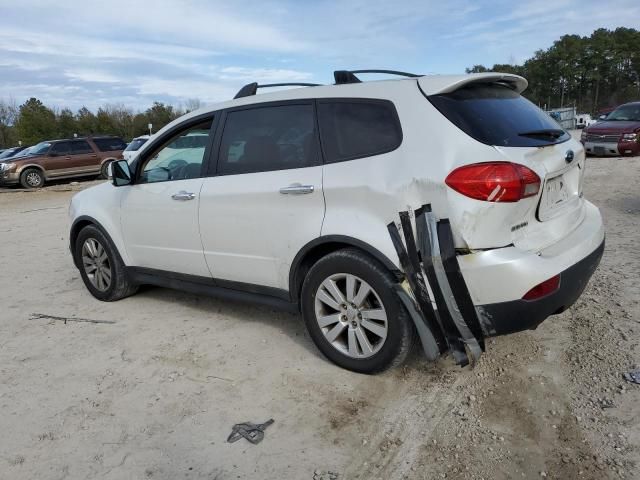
72 53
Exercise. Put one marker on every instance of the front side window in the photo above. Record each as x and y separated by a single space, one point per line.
180 157
354 129
268 138
78 147
60 148
40 149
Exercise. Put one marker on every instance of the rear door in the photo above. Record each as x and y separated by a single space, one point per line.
264 201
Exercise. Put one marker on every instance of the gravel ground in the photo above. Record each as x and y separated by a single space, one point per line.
154 394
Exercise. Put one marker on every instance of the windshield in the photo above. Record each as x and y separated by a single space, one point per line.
24 153
9 152
626 113
39 149
135 144
495 114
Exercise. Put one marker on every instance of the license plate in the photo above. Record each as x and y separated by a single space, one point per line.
555 194
598 150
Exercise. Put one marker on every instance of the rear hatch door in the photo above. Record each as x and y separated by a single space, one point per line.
491 110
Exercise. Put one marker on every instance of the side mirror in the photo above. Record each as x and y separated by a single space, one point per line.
53 154
120 173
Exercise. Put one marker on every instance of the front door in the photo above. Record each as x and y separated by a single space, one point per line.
72 157
265 201
159 211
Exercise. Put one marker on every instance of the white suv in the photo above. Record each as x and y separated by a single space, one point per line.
295 199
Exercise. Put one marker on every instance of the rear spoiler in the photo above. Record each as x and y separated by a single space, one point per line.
439 84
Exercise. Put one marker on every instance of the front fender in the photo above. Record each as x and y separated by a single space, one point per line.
100 206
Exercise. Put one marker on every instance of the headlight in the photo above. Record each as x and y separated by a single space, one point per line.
583 136
630 136
6 166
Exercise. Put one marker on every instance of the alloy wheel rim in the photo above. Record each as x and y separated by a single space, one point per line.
33 179
96 264
351 315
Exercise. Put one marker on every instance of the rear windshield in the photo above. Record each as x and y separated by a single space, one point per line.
496 115
135 144
109 144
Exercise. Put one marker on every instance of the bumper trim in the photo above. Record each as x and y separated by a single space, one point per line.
509 317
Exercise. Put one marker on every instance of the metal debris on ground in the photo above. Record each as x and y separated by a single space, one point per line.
253 432
36 316
632 376
325 475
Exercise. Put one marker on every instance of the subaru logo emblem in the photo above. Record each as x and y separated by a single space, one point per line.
568 157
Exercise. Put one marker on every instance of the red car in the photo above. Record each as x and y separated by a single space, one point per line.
618 134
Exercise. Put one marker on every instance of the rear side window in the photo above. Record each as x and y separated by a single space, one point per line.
79 146
355 129
268 138
494 114
109 144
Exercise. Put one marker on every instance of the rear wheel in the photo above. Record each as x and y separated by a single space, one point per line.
32 178
353 314
101 267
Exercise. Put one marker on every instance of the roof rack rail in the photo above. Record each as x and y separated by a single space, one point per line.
348 76
251 88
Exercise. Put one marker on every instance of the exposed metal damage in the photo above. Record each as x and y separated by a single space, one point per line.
435 292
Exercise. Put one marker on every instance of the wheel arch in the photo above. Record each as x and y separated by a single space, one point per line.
321 246
107 160
77 226
22 169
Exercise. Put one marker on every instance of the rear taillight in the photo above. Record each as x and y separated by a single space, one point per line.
543 289
495 181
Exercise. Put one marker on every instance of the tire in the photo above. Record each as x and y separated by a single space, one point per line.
94 255
103 170
387 341
32 178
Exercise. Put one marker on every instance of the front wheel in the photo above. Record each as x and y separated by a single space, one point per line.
32 178
101 268
353 314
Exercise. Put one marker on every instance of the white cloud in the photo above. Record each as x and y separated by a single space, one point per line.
263 74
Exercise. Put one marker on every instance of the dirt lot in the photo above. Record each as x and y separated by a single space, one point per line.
154 394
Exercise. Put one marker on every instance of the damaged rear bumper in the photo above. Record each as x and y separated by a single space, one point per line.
509 317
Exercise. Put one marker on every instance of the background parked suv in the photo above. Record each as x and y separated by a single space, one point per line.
62 159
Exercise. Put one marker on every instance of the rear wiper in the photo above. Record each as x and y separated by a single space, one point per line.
548 132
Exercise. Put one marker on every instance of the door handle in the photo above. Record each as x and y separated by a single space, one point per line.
296 189
183 196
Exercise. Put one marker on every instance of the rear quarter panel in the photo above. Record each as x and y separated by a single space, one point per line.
364 195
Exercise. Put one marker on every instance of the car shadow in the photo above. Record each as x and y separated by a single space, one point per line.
288 323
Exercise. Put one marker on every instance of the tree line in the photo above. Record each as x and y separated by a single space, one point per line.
33 121
592 73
